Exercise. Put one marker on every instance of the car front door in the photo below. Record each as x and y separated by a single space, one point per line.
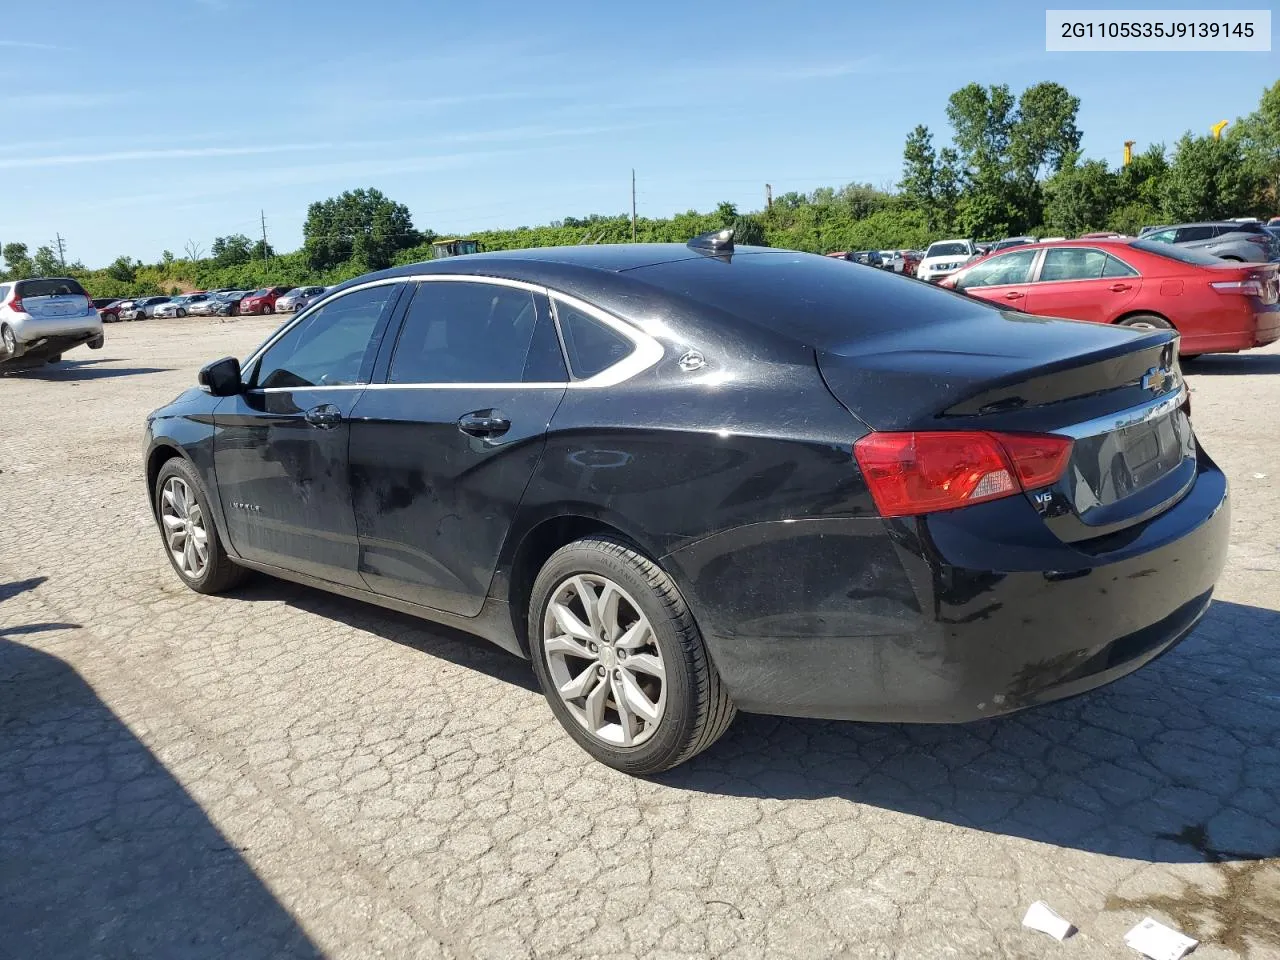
1083 283
443 448
280 447
1004 279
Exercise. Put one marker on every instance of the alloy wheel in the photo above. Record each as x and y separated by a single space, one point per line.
604 660
184 528
10 341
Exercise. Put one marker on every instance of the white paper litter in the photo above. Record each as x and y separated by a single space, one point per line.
1041 917
1159 942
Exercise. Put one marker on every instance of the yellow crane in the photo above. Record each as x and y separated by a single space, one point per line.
1128 151
1218 127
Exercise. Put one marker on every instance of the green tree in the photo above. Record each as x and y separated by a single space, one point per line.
1259 137
231 251
749 231
1080 197
1044 137
262 251
362 226
1208 180
726 212
947 189
46 262
123 270
17 261
919 169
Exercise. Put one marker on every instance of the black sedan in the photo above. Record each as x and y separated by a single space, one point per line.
685 480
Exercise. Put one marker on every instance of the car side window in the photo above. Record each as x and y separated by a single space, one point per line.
1161 236
592 345
330 346
1189 234
1014 267
1072 263
459 331
1118 268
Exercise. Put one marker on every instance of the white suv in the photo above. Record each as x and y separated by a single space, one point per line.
39 319
944 258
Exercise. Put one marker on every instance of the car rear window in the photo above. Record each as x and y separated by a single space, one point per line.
819 300
49 288
1181 254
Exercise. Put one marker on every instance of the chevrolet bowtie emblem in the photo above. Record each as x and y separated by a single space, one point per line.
1157 380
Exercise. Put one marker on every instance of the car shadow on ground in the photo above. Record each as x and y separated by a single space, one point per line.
80 370
1233 364
102 852
1179 762
456 646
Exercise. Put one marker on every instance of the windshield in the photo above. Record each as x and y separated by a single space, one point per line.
1181 254
952 249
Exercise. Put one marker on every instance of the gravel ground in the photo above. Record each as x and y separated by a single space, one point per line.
285 773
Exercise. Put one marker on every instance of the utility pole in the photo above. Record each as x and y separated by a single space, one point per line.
633 204
768 196
263 214
62 251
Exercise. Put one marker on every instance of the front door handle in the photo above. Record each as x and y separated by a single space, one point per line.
1120 287
1014 295
326 416
484 423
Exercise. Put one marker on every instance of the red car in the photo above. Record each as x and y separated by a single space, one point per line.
1216 306
263 301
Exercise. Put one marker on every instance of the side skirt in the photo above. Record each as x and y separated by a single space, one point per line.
492 623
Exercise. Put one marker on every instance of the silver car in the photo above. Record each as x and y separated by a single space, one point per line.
297 298
179 306
1247 242
39 319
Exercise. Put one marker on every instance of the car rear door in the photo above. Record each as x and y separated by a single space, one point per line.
1083 283
280 448
1004 279
443 448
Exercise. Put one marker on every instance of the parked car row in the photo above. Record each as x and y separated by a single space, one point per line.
212 303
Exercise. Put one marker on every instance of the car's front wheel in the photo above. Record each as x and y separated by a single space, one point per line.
181 313
621 660
190 536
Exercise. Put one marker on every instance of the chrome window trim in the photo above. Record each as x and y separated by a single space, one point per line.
646 353
1137 274
1132 417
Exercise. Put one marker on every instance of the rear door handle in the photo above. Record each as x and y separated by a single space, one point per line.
484 423
1120 287
1014 295
326 416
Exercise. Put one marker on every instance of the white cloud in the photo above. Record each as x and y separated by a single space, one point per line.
176 153
25 45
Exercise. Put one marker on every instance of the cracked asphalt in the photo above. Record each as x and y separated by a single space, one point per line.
284 773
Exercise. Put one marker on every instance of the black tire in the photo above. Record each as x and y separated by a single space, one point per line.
55 358
698 708
1146 321
220 572
181 313
8 342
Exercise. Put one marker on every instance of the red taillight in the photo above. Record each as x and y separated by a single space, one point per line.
16 304
1249 288
914 473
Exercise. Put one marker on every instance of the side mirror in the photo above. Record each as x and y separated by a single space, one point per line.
222 377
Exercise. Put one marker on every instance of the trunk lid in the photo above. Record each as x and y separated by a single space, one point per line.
1117 392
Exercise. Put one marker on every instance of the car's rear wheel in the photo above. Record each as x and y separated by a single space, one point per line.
1146 321
181 312
190 536
621 660
8 340
53 358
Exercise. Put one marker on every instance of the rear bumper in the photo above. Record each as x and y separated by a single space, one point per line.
938 620
45 347
30 331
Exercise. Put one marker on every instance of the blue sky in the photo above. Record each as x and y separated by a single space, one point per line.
133 126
